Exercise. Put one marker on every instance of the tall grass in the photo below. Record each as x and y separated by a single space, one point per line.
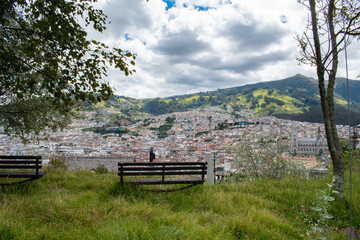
86 205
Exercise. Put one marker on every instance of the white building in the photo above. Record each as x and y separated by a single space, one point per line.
311 146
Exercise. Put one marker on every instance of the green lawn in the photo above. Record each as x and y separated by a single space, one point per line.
86 205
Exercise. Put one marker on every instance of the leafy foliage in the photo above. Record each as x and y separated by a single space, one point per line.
170 120
261 160
47 58
58 163
101 169
105 130
164 128
198 134
319 220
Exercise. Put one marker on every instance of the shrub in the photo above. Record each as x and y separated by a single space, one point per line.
262 160
101 169
58 162
319 220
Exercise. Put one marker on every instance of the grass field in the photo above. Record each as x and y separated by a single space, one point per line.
86 205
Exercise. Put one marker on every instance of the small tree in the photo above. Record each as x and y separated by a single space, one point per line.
48 65
331 27
262 160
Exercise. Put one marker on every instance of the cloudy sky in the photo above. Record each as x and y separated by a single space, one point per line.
188 46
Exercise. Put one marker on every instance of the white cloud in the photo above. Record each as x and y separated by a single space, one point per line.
205 44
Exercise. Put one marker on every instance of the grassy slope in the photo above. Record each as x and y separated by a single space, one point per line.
287 107
85 205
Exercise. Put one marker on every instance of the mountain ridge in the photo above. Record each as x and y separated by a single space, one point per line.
294 98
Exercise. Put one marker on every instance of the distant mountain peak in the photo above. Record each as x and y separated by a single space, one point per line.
300 75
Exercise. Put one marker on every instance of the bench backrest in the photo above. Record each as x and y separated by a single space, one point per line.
21 162
162 169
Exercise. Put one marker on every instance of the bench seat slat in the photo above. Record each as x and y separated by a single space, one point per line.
20 157
19 162
19 167
161 173
194 172
161 168
153 181
160 163
21 174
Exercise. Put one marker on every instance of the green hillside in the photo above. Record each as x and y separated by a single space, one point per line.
293 98
354 89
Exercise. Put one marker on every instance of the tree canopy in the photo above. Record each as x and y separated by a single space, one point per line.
48 64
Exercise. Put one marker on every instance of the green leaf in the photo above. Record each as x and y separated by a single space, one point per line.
318 209
329 198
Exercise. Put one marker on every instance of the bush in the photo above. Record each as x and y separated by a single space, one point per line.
319 220
58 163
101 169
261 160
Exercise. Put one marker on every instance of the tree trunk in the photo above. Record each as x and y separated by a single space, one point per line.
327 95
336 153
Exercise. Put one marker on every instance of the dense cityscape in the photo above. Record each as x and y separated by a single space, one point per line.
192 134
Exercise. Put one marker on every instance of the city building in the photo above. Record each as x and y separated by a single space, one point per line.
312 146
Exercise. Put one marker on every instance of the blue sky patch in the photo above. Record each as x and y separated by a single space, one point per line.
201 8
169 4
127 37
283 19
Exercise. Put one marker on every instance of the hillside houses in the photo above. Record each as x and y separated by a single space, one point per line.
191 135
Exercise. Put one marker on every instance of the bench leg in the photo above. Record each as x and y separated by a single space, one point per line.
122 174
163 173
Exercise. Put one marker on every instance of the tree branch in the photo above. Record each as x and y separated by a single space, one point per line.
32 67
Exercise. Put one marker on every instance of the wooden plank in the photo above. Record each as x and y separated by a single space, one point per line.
19 157
19 162
161 173
19 167
121 174
161 168
160 163
37 167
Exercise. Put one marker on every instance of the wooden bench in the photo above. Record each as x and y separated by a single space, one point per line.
151 173
21 167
